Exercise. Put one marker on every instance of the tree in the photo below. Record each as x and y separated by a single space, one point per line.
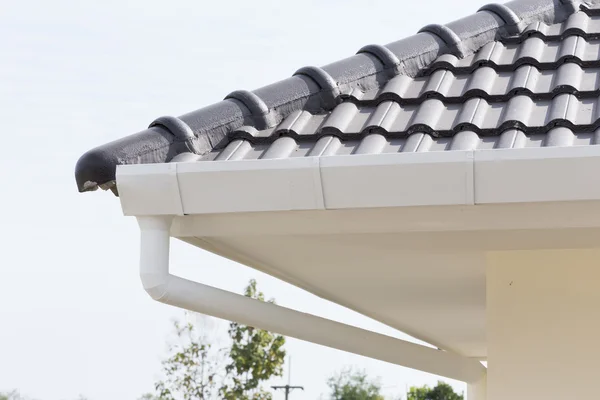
197 370
442 391
353 385
255 356
12 395
15 395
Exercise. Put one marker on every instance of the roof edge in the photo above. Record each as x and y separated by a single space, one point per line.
315 89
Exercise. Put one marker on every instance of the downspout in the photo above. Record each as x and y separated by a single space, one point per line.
195 296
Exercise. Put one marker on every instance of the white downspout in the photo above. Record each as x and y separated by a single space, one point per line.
194 296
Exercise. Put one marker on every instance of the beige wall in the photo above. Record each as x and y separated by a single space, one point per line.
543 325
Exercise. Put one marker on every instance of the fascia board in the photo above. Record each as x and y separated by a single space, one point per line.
250 185
537 175
149 189
399 179
362 181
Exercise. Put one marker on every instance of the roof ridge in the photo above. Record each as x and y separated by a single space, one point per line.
317 89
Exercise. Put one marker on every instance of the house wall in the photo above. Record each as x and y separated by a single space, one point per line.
543 324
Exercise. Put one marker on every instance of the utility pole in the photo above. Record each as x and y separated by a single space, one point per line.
288 388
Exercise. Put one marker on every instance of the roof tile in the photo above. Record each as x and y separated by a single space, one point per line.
524 74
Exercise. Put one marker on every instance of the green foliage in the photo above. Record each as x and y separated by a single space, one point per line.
255 356
353 385
15 395
12 395
442 391
190 370
197 371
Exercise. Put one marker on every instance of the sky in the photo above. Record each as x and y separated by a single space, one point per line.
74 318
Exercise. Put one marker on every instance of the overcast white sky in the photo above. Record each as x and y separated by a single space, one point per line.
75 74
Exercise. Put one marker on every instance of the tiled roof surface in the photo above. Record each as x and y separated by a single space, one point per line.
540 88
536 84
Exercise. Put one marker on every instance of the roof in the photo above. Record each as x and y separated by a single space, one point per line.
522 74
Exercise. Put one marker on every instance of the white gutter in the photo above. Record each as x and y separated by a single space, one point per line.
443 178
194 296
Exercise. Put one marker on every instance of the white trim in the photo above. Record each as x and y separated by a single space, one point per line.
150 189
318 183
250 185
548 174
537 174
398 179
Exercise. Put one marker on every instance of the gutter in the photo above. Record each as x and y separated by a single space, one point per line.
194 296
440 178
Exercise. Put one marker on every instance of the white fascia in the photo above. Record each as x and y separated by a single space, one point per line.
548 174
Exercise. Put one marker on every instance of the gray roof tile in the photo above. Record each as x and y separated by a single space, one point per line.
524 74
433 116
375 143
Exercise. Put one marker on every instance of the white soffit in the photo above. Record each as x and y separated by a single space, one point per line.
548 174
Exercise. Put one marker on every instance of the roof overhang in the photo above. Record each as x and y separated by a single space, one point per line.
401 238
